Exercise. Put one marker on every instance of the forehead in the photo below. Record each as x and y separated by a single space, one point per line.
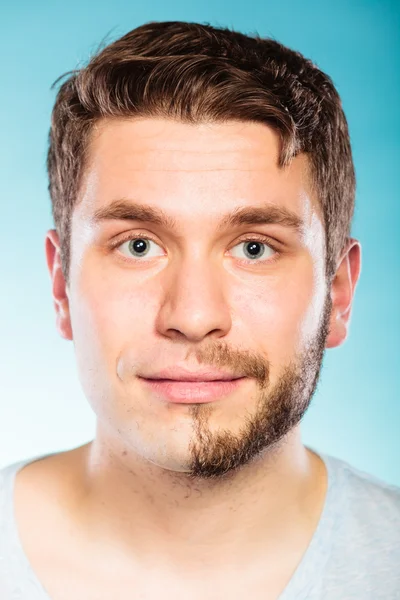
192 167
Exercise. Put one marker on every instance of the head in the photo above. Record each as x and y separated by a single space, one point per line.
202 188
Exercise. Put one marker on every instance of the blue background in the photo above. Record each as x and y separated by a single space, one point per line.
355 413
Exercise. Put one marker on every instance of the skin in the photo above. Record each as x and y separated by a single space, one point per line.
168 484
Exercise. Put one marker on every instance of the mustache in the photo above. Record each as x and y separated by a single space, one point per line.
246 363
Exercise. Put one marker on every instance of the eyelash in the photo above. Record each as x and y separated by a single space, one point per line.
253 238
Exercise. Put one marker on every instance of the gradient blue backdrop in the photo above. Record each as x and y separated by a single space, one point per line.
356 411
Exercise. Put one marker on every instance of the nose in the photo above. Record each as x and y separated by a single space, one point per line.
194 304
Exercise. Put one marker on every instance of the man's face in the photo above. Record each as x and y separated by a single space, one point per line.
245 297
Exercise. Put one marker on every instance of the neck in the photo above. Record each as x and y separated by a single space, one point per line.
155 515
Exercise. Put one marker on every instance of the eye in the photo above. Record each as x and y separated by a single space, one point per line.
254 249
140 247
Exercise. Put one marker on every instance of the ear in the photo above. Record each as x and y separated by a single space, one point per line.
59 287
342 293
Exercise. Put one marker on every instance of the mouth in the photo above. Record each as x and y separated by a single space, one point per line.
192 392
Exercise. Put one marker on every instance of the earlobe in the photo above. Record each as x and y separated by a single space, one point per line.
342 293
337 331
59 288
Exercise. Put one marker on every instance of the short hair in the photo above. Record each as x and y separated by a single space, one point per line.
196 73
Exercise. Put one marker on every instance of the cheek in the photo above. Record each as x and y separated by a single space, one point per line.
109 313
279 313
111 319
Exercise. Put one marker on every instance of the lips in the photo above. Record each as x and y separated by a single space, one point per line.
192 392
178 373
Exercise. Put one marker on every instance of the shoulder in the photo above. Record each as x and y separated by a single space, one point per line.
368 508
368 491
7 482
362 535
8 476
8 473
9 549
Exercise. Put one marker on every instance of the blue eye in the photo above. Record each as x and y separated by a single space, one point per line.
254 250
139 247
146 248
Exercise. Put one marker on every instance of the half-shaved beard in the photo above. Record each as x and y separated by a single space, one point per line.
219 455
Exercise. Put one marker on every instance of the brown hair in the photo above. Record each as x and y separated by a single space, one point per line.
195 73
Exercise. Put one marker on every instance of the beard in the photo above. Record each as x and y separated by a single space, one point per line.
219 455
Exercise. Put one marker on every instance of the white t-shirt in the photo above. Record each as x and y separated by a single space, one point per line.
354 553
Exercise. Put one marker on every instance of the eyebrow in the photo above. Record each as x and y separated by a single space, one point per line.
268 214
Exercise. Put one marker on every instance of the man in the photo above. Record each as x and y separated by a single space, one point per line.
202 187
